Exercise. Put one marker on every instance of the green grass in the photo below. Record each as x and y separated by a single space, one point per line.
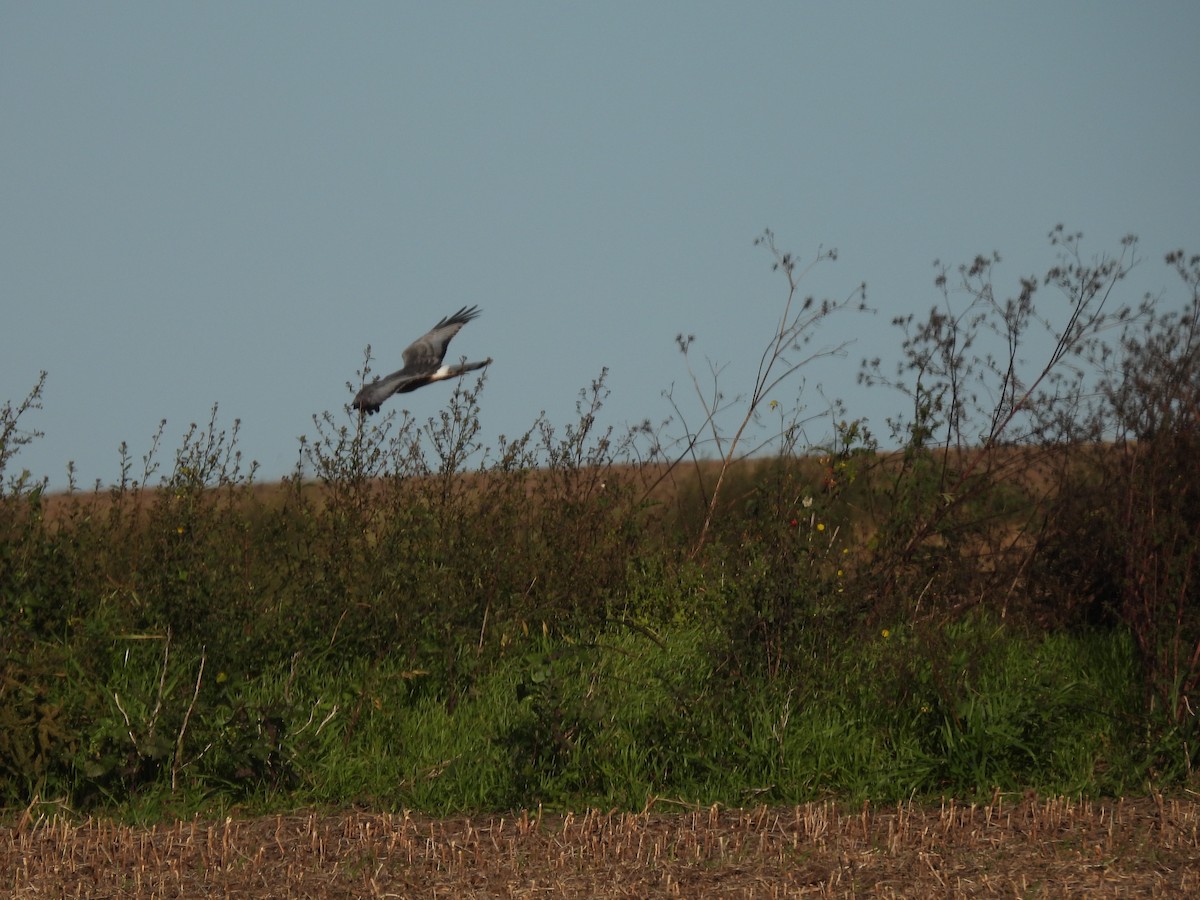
615 722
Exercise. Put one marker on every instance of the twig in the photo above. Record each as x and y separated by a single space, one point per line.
162 680
483 627
125 715
183 728
333 712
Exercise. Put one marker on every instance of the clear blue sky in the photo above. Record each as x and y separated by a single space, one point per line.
226 202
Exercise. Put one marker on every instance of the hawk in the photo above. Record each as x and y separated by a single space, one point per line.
422 364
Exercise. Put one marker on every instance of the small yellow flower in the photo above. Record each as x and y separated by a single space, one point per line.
179 529
820 526
774 404
840 573
886 633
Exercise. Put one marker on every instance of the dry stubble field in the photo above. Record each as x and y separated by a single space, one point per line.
1025 848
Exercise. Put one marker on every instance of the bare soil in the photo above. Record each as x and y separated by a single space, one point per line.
1025 847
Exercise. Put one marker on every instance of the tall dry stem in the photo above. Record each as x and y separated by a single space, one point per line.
796 330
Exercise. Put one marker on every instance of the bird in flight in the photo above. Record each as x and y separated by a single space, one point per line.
422 364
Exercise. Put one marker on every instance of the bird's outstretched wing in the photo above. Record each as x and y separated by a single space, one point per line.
422 363
427 353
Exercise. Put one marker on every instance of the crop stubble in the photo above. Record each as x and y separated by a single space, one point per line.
1021 847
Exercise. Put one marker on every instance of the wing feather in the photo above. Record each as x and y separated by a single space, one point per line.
426 353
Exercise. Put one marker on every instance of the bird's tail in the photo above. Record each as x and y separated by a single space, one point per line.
454 371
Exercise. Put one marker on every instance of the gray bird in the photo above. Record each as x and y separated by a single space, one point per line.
422 364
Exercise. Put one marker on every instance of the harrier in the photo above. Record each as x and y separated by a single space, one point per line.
422 364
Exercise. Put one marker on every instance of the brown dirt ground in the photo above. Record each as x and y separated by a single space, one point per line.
1010 847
